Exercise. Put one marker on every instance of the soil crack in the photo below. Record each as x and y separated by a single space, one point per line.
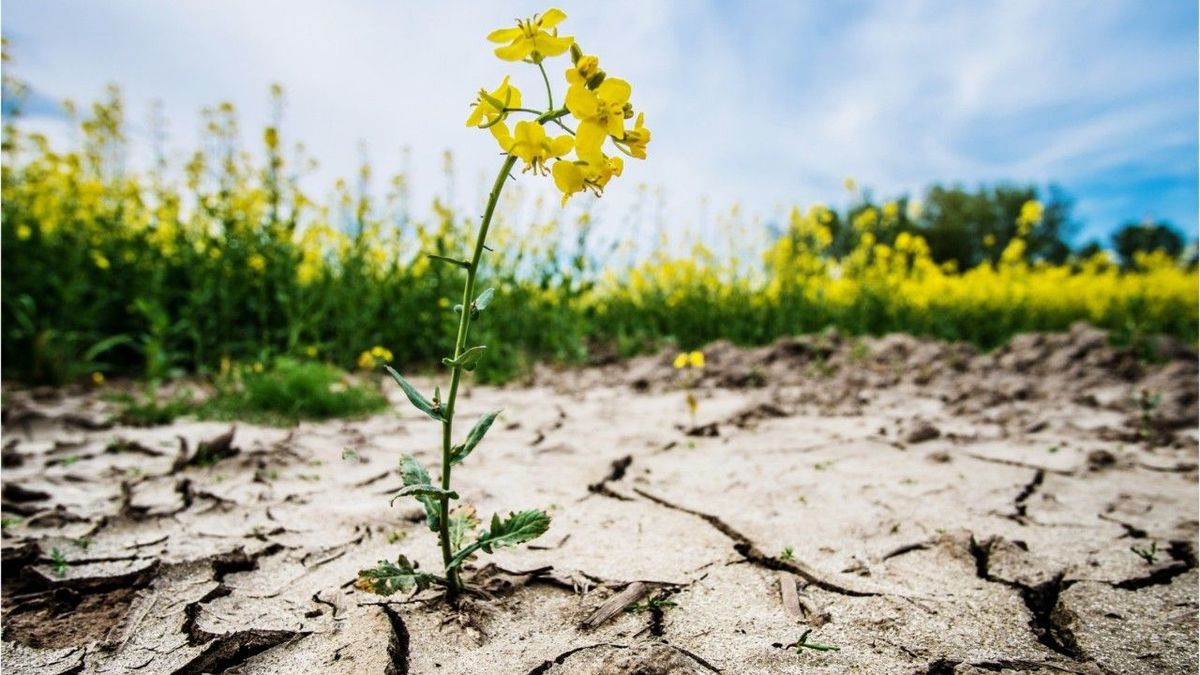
748 550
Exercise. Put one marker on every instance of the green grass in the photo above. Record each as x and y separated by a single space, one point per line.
282 395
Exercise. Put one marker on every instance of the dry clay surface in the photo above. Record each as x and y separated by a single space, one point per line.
920 506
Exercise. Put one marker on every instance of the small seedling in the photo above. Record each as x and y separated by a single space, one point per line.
1052 450
7 522
690 363
58 563
1150 555
803 643
310 477
1147 403
350 455
83 543
69 460
395 536
651 605
788 554
821 466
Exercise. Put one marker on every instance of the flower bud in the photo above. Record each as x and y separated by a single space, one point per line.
627 111
595 80
576 53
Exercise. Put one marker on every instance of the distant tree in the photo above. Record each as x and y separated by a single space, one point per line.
1089 250
974 227
1145 237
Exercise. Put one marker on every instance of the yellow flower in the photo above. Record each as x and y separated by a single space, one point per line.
681 361
573 177
366 361
532 38
584 70
257 262
601 113
24 232
99 259
850 184
534 147
635 140
489 107
97 377
381 353
696 359
311 351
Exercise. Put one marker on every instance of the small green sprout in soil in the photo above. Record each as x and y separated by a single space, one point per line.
803 643
1150 555
1147 403
821 466
395 536
58 562
350 455
788 554
651 605
69 460
7 522
310 477
1052 450
83 543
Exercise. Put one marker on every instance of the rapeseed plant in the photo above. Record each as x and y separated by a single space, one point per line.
600 107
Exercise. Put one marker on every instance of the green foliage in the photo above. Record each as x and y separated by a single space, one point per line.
1149 554
415 475
459 452
431 408
518 528
289 391
58 562
388 577
148 410
651 605
1134 238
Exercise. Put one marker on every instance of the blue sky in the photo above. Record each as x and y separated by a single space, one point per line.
762 104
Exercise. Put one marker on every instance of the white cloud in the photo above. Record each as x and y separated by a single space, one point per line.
762 103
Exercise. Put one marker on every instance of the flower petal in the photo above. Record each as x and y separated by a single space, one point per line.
614 91
504 34
516 51
552 45
561 145
552 18
588 139
581 102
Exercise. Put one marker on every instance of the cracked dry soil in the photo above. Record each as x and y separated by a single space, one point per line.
945 511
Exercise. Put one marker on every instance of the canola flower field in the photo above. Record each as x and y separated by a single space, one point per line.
109 271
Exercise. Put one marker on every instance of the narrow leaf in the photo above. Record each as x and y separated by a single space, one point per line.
453 261
414 474
468 359
459 452
387 577
423 491
415 397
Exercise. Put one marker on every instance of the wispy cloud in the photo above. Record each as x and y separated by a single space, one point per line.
763 103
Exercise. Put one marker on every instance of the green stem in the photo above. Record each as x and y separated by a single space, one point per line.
449 560
549 92
454 582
